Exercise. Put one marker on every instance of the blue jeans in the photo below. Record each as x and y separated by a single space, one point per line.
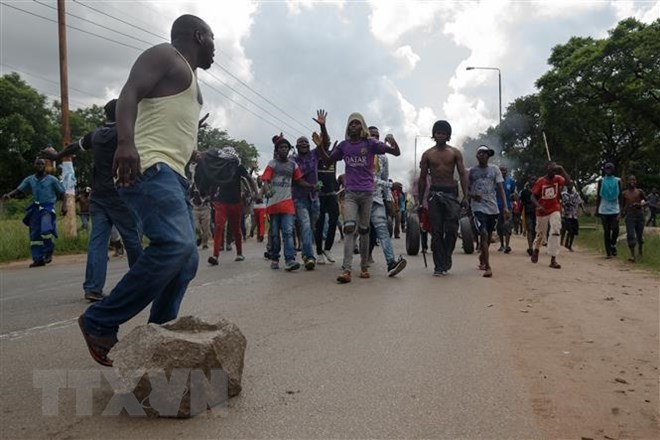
379 221
282 223
162 273
108 210
307 212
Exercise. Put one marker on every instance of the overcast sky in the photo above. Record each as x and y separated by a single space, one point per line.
400 63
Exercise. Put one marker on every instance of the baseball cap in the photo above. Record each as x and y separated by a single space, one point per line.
485 148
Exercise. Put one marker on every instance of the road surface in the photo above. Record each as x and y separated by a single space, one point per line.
531 353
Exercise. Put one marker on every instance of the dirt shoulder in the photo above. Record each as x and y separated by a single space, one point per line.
586 338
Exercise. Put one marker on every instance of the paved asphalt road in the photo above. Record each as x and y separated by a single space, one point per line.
409 357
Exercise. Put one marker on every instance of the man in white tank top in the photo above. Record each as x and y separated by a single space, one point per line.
157 122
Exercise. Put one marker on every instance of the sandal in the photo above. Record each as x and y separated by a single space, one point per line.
98 346
555 265
364 273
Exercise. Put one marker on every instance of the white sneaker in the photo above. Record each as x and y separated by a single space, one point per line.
329 257
320 259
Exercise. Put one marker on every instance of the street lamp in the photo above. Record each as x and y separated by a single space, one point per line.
499 76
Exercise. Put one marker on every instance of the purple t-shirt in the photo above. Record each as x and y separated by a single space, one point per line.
309 166
359 162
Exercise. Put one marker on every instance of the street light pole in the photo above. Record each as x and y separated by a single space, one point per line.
499 78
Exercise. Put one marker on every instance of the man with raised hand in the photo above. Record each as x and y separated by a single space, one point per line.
358 151
157 123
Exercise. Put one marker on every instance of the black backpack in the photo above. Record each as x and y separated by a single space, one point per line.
215 169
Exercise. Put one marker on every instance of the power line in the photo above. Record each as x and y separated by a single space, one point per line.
140 49
260 95
118 19
306 128
238 103
72 27
45 79
252 102
96 24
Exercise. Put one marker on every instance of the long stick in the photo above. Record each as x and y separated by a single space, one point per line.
545 141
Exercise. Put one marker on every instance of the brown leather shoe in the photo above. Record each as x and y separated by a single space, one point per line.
98 346
364 273
344 278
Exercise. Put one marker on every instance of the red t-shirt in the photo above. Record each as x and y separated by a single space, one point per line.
548 193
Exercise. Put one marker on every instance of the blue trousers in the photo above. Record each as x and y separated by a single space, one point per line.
160 275
106 211
282 223
307 212
42 230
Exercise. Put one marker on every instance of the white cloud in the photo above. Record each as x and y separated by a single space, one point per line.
408 57
391 19
645 12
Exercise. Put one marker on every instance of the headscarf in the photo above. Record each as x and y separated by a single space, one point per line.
357 116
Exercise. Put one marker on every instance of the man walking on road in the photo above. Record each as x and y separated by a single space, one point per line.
329 204
358 151
40 216
546 195
486 186
107 209
306 200
379 214
633 204
608 207
529 210
653 202
158 111
504 226
440 162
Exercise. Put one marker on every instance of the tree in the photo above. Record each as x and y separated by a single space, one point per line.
208 138
26 127
599 101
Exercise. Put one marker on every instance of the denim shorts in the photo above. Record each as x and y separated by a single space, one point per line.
484 222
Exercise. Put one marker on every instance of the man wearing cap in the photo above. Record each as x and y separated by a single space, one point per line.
485 188
358 151
279 175
439 162
106 208
546 195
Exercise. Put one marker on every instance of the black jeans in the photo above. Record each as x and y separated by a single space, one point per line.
444 212
610 232
329 205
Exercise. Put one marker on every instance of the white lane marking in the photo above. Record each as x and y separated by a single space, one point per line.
18 334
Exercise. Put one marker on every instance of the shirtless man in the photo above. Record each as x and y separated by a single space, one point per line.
439 162
157 122
634 200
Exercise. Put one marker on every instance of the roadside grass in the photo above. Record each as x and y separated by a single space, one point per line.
15 242
591 238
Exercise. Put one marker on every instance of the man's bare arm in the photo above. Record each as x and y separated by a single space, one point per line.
462 174
421 183
149 69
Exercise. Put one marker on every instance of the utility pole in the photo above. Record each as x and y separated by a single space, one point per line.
68 173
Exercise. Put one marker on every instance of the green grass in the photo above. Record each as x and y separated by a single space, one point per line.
593 239
15 242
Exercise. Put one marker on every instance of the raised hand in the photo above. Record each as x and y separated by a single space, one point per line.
321 116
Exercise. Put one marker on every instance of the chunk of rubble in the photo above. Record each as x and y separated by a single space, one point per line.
181 368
